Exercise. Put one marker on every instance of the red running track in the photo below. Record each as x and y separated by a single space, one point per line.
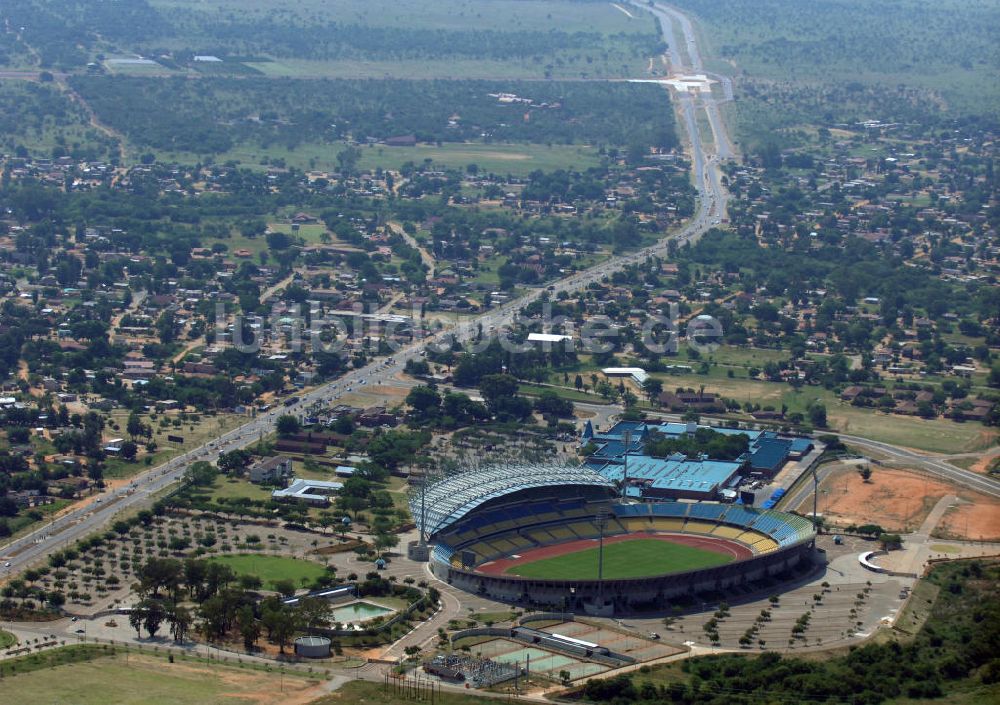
708 543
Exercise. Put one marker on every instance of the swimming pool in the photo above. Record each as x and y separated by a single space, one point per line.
358 612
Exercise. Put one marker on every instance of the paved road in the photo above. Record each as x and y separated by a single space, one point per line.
82 521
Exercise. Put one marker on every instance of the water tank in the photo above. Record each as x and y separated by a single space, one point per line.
312 647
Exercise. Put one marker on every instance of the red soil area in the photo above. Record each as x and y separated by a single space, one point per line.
708 543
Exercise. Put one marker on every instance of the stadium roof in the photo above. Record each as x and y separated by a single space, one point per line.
454 497
675 473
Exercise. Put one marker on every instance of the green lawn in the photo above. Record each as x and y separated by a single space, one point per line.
232 488
7 639
519 159
147 680
628 559
272 568
564 393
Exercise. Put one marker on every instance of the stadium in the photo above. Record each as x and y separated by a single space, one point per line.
559 537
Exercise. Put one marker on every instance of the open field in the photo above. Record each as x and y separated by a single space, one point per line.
234 488
899 500
939 435
625 559
195 432
573 67
975 518
145 680
562 392
906 42
497 15
896 500
272 568
518 159
453 38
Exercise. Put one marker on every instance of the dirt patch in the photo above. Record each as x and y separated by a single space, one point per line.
983 464
896 500
338 548
900 500
977 518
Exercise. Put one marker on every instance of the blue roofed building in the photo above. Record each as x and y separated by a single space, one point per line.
679 476
768 454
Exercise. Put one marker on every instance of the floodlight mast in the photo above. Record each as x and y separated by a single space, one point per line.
601 520
423 511
628 444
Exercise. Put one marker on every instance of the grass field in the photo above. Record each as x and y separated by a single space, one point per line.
610 50
194 432
939 435
7 640
154 681
626 559
272 568
904 42
494 15
518 159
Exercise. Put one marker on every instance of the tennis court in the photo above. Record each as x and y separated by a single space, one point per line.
548 663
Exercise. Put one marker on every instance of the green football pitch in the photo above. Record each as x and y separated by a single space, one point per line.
637 558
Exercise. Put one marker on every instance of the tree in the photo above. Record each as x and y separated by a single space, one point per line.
200 474
890 542
284 624
134 426
550 403
424 401
347 160
313 611
384 540
129 450
249 627
497 387
285 587
235 461
652 388
180 619
214 614
817 415
287 425
153 616
866 472
135 617
159 574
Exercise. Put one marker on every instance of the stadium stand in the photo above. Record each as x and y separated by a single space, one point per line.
487 516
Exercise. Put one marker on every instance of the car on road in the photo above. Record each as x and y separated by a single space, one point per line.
80 631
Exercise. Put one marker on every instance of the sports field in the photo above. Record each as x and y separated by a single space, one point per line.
272 568
634 558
